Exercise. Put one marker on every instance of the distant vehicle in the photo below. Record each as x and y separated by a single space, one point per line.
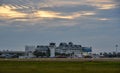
8 56
60 57
87 56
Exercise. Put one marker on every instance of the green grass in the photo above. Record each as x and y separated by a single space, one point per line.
58 67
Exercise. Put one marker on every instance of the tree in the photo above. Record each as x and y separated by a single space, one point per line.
48 53
118 54
114 54
110 54
39 53
105 54
0 53
101 53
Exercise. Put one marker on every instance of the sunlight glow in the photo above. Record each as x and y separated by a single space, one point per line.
88 13
8 12
105 6
103 19
51 14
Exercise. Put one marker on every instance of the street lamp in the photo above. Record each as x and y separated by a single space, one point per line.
116 48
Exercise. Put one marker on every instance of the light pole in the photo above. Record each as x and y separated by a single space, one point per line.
116 48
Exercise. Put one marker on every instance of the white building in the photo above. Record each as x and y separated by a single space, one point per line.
63 48
29 51
69 48
74 50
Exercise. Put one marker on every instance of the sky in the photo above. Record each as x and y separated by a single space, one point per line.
94 23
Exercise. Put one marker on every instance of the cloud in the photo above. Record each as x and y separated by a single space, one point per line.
65 12
104 19
51 14
103 4
28 9
99 1
7 12
87 13
59 3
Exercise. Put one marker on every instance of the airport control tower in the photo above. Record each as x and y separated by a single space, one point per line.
52 47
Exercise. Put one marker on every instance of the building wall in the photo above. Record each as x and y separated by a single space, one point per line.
29 51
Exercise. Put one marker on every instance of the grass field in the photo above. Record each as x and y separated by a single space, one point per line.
59 67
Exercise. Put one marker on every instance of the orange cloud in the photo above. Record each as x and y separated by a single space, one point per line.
8 12
51 14
102 4
88 13
105 6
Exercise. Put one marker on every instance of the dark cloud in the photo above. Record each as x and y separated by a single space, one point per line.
71 8
111 13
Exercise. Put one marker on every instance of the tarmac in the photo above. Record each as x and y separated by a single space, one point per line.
65 59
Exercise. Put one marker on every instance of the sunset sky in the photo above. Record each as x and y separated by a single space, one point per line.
93 23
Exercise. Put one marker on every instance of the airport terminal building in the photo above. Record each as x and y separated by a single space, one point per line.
62 50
